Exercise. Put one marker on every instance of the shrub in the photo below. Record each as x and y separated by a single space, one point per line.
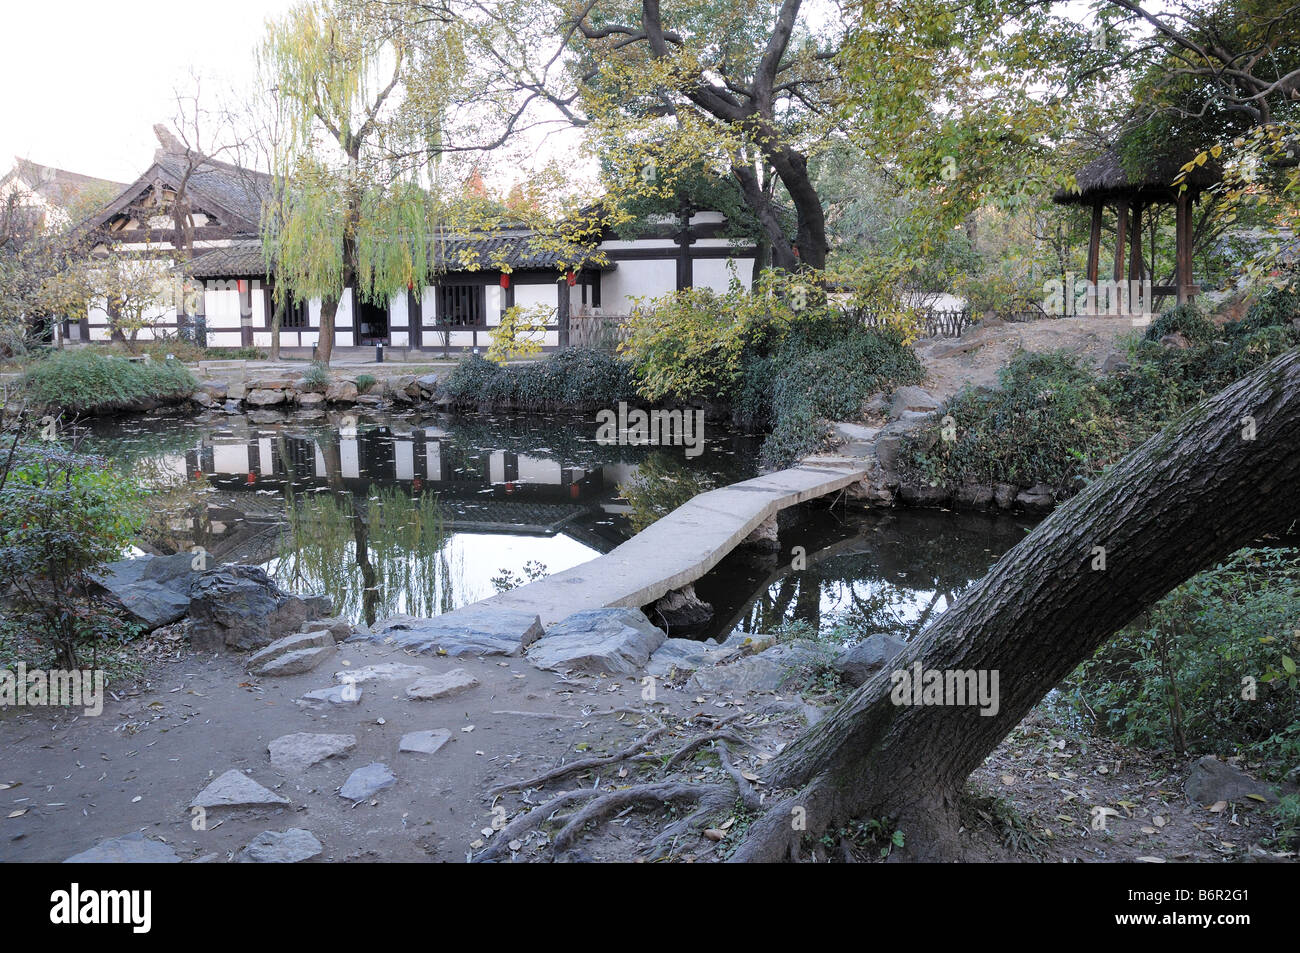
63 516
364 383
86 380
317 378
571 379
1049 422
1185 319
1177 678
1274 308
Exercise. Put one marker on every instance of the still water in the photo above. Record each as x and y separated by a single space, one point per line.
421 514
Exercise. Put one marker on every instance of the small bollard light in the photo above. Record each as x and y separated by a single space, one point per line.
379 354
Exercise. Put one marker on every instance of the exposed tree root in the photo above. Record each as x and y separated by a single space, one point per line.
577 767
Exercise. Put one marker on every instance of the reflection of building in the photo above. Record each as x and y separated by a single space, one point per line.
486 491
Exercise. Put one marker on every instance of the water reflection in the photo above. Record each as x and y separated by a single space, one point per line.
389 515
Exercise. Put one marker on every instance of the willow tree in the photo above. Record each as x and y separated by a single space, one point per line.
355 78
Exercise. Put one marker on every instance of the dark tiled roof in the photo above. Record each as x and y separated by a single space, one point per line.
229 187
240 261
492 253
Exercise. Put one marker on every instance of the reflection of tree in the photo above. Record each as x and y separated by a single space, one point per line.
396 541
660 484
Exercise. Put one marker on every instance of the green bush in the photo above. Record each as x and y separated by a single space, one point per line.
85 380
1051 421
1274 308
575 379
1185 319
812 371
1054 421
1211 668
364 383
63 516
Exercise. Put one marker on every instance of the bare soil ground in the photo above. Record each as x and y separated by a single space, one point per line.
71 781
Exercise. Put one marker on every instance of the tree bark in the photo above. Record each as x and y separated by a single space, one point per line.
1180 503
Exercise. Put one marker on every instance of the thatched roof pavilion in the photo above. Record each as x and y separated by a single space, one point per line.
1105 182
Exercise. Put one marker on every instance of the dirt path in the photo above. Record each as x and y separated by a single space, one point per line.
978 355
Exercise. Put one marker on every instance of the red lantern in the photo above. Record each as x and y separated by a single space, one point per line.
505 280
510 488
574 490
240 285
252 478
571 278
410 286
198 474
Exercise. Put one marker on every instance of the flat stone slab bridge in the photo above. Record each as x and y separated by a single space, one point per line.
679 548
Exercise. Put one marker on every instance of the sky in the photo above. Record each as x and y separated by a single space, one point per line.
84 82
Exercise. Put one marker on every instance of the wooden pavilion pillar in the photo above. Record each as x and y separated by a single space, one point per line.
1183 248
1136 267
1118 297
1094 246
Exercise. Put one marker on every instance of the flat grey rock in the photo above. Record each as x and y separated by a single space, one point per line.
153 589
613 641
236 789
295 663
768 671
475 631
272 847
446 685
681 655
320 698
383 672
424 742
300 751
319 638
133 848
338 627
368 781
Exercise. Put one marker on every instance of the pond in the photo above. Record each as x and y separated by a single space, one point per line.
421 514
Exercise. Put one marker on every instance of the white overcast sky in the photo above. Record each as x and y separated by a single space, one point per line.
83 81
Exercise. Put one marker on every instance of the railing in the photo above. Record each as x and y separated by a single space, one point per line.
601 331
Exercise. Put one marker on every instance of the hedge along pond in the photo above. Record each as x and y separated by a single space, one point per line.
420 514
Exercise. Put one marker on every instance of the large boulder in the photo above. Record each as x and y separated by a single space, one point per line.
860 662
473 630
265 397
678 655
772 669
341 392
239 608
1213 780
616 641
912 400
155 590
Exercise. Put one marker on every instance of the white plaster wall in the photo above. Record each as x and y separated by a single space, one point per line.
716 273
631 279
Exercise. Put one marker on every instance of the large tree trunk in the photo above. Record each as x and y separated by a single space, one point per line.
1182 502
325 340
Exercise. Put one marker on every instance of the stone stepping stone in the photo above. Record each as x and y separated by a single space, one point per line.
298 752
424 742
432 687
271 847
383 672
616 641
236 789
320 698
317 639
367 781
472 630
133 848
295 663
